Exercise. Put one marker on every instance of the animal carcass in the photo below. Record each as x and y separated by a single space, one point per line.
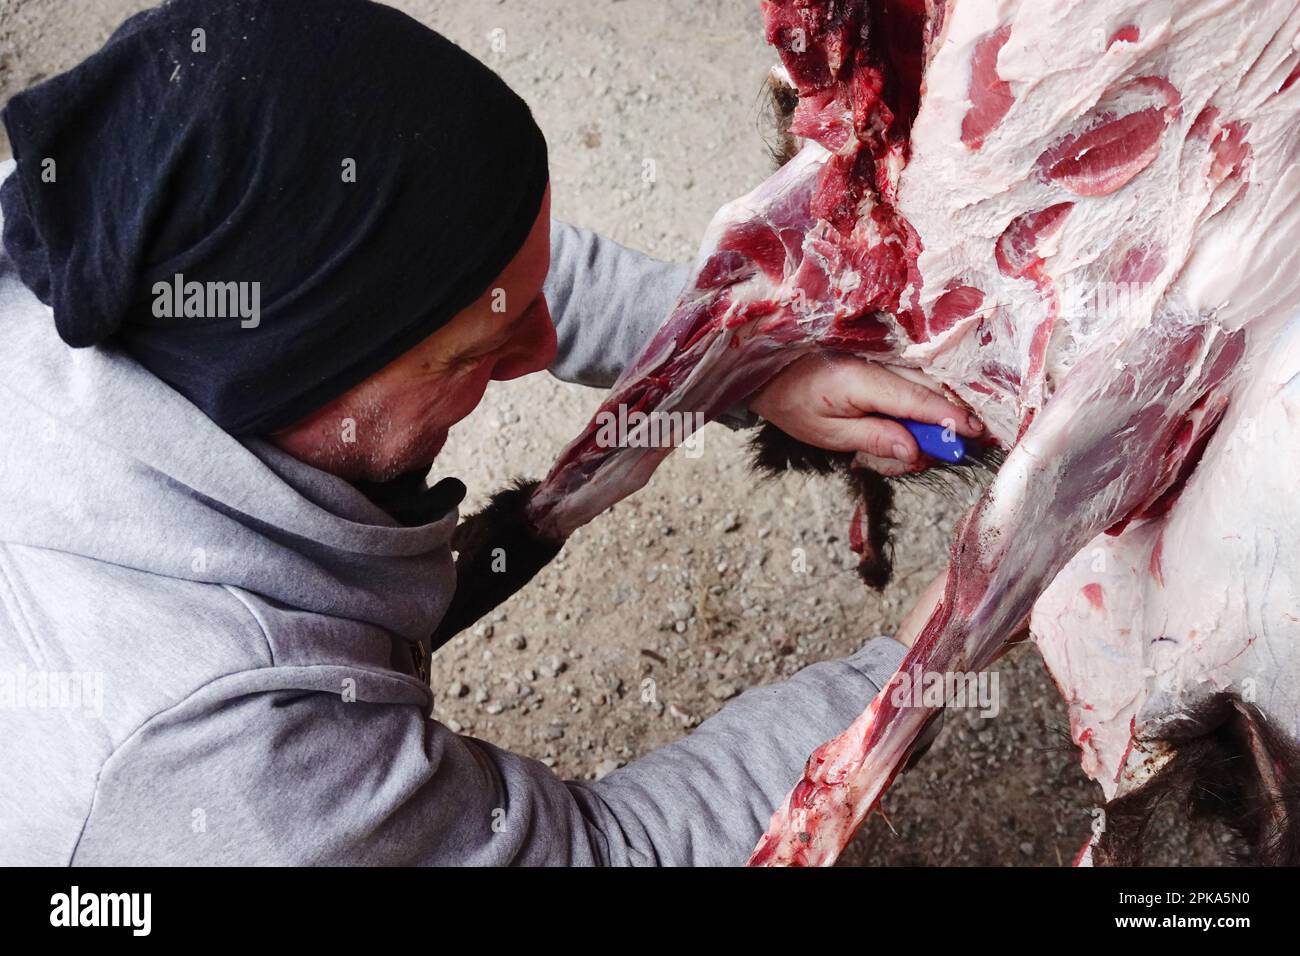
1081 217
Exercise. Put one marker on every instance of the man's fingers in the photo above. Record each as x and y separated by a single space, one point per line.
877 437
889 467
882 391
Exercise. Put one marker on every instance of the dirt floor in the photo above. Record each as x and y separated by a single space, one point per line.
689 585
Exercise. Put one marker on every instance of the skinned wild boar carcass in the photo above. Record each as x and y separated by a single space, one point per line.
1081 217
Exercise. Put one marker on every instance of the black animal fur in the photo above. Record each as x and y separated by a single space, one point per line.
782 100
775 452
498 552
1217 776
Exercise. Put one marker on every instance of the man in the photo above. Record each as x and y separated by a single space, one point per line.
259 258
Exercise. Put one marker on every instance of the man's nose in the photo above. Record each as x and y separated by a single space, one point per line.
532 349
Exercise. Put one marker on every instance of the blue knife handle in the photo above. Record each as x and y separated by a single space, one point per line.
933 441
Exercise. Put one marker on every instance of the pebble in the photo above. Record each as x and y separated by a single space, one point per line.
681 610
681 716
517 642
729 523
458 689
725 691
606 767
553 666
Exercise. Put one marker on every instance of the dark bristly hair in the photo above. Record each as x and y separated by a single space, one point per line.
1219 776
497 553
775 452
782 100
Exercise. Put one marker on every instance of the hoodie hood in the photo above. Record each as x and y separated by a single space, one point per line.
101 459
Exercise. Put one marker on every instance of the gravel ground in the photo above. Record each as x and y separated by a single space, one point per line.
684 596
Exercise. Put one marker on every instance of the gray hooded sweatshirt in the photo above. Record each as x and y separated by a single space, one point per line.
205 644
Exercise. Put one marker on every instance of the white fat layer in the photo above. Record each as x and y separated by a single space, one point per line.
1227 252
1239 264
1223 617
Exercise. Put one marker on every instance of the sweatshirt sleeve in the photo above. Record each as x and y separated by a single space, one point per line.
607 301
290 776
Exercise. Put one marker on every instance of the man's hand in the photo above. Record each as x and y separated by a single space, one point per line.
835 402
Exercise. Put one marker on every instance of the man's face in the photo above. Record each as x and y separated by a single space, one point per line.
398 419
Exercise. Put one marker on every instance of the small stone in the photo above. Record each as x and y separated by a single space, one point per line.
481 695
729 523
494 708
553 732
681 610
553 666
1027 848
725 691
458 689
681 716
606 767
517 642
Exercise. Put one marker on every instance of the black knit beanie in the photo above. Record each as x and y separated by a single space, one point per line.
354 175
